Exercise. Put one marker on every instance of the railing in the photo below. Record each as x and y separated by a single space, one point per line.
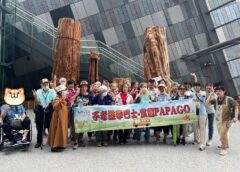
40 30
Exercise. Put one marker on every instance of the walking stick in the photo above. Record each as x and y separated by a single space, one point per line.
43 127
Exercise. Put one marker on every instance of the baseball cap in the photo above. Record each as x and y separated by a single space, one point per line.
83 83
44 80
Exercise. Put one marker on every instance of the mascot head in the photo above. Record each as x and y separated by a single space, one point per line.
14 96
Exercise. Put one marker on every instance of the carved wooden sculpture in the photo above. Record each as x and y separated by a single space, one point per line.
156 59
67 56
93 67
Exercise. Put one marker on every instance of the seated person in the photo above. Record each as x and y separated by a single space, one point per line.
14 115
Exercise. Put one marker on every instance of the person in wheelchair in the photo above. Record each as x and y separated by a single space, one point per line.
15 118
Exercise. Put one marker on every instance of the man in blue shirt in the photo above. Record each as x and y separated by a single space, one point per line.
44 98
14 117
162 97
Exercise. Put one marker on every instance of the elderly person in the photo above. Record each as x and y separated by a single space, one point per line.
44 98
58 131
103 98
162 97
123 98
12 115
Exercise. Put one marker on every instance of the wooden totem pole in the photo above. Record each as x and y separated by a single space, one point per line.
67 50
156 59
93 67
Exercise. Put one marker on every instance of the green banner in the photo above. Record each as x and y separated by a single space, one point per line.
98 118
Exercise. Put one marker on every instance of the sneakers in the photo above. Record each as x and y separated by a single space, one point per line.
105 144
81 144
75 146
223 152
99 144
24 141
138 142
201 147
209 143
195 142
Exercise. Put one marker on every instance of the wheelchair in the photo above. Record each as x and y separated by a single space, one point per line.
17 134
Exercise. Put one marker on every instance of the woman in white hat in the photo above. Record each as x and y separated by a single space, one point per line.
58 132
103 98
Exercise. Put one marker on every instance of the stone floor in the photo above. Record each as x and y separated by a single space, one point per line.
131 157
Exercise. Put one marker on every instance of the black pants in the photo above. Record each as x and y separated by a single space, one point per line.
42 123
122 135
165 129
7 128
210 125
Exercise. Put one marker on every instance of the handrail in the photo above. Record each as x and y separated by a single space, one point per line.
116 56
108 53
126 58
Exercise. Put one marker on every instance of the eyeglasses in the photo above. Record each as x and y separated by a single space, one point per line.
181 88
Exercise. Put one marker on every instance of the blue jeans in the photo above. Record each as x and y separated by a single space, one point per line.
138 132
210 125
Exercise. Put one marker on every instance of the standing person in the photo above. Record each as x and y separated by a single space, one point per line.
113 93
98 84
44 98
106 83
135 90
226 115
152 91
210 111
182 128
71 94
163 96
58 131
123 98
144 97
174 90
102 99
83 99
113 90
94 90
200 128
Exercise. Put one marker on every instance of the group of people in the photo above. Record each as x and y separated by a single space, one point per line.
55 103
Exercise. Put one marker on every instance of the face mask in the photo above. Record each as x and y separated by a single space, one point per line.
45 88
64 94
63 83
104 94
